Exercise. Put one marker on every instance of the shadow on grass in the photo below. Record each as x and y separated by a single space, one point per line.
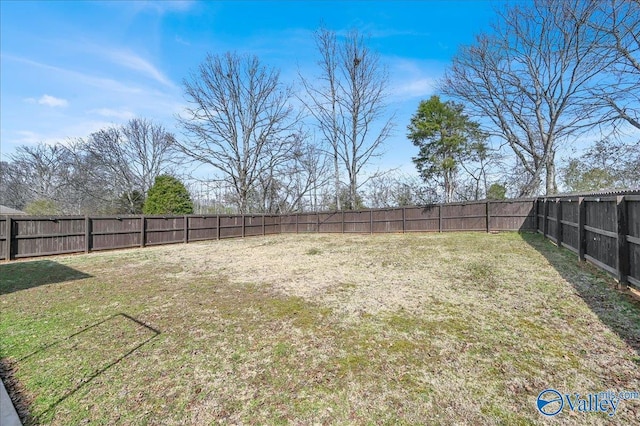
617 309
19 396
24 275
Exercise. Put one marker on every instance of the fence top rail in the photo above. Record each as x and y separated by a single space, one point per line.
607 199
41 217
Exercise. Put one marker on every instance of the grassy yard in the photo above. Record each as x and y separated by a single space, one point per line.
462 328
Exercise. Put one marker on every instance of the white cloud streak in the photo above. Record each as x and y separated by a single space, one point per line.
132 61
99 82
52 101
113 113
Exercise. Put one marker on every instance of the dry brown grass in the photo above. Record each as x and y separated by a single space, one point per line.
347 329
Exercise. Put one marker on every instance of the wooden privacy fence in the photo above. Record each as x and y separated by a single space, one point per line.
29 236
604 230
512 215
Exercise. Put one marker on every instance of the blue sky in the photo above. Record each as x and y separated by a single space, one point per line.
70 68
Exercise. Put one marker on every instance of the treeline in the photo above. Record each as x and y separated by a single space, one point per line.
548 74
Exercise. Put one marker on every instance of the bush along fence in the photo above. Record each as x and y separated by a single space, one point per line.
604 230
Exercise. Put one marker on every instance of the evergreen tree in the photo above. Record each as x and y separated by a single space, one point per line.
168 196
446 137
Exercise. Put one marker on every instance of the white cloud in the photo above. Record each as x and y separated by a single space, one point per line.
52 101
182 41
165 6
412 79
113 113
27 137
104 84
132 61
416 88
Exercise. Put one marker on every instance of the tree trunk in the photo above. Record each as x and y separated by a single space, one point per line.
551 185
337 177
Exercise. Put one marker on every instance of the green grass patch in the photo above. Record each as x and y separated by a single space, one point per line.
383 329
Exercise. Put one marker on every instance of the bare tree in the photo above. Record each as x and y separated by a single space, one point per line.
40 172
398 190
239 120
348 105
617 22
132 156
532 80
321 100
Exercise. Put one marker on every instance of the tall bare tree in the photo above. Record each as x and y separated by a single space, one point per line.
617 22
131 155
532 79
321 100
239 120
348 103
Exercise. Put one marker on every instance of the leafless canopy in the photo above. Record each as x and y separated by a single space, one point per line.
618 24
131 155
533 80
348 104
238 120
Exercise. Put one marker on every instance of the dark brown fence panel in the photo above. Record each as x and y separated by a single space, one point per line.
387 220
288 223
47 236
633 239
307 222
3 238
115 232
164 230
203 228
569 221
231 226
512 215
422 219
357 222
252 225
539 211
330 222
464 217
272 225
552 211
601 232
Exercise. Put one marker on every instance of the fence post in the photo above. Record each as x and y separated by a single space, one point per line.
87 234
404 220
535 215
263 225
488 217
186 229
242 226
370 221
343 221
297 220
559 222
143 230
318 222
439 217
9 240
623 246
582 241
217 227
545 213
